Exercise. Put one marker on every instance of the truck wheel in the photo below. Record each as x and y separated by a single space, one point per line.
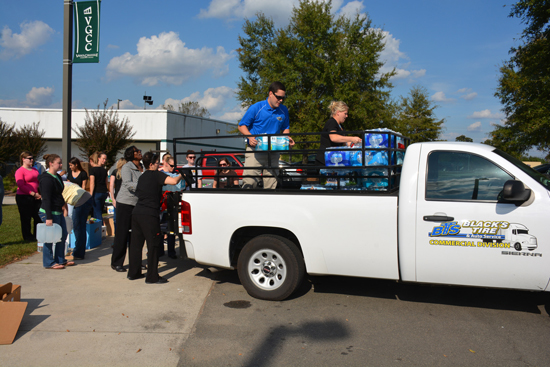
270 267
517 246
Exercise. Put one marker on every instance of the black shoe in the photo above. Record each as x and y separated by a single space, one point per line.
160 281
118 268
172 257
143 267
141 276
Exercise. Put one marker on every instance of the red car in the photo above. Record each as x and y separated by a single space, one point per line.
209 163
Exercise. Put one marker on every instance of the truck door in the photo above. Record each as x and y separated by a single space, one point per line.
465 235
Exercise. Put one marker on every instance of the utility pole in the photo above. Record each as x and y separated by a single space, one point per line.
118 103
67 79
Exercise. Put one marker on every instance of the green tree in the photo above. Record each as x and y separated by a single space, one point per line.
524 84
464 138
319 58
8 145
189 108
104 131
31 138
416 118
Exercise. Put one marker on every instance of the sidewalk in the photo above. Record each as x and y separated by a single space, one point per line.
90 315
8 200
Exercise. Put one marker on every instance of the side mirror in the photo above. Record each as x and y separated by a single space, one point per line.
515 192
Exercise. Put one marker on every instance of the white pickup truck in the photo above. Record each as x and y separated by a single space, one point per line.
444 225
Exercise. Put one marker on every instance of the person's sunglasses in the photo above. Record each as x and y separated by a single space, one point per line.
191 157
172 165
280 98
30 158
223 165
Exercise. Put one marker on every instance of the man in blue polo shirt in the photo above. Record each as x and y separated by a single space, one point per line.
264 117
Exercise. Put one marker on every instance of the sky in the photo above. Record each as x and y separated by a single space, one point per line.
181 50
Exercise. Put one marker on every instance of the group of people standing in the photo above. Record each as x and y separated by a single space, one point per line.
138 210
50 196
136 192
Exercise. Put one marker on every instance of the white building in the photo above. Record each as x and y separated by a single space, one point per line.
154 129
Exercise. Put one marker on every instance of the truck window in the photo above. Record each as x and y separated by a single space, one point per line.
463 176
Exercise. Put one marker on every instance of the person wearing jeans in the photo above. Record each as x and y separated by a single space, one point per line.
98 185
51 260
81 201
53 210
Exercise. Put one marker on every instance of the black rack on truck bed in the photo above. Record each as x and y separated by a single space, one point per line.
375 166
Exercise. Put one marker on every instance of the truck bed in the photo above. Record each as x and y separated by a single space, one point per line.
358 235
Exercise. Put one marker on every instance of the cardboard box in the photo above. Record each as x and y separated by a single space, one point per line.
93 235
11 312
109 222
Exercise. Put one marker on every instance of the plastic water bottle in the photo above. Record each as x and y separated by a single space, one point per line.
262 142
375 140
48 234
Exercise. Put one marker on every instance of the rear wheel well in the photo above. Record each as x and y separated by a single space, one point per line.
245 234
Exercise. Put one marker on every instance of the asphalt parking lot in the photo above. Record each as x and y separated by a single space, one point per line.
90 315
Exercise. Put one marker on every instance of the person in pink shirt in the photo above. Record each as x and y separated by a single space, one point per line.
27 197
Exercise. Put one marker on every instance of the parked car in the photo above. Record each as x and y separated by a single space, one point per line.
208 163
290 173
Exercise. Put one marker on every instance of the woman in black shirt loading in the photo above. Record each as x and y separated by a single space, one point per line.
146 220
98 185
339 112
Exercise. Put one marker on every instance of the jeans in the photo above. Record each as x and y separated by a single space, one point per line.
49 259
80 214
98 203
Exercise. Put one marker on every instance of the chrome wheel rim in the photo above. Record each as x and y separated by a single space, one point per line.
267 269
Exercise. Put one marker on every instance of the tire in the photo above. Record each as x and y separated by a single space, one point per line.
517 246
270 267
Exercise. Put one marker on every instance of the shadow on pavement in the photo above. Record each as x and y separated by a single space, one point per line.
30 321
499 299
330 330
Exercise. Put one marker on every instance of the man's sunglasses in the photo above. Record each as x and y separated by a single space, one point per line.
280 98
191 157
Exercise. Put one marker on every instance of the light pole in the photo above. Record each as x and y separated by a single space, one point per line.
118 103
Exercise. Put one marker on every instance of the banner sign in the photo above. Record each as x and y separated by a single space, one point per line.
86 15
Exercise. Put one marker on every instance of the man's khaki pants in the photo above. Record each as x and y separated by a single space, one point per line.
253 159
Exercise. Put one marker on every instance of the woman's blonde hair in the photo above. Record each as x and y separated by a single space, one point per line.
94 158
121 162
337 106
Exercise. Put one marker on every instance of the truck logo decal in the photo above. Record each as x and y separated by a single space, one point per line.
493 234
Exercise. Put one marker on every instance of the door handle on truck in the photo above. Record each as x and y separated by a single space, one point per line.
438 218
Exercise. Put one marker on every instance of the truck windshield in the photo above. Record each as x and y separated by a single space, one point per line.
539 177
